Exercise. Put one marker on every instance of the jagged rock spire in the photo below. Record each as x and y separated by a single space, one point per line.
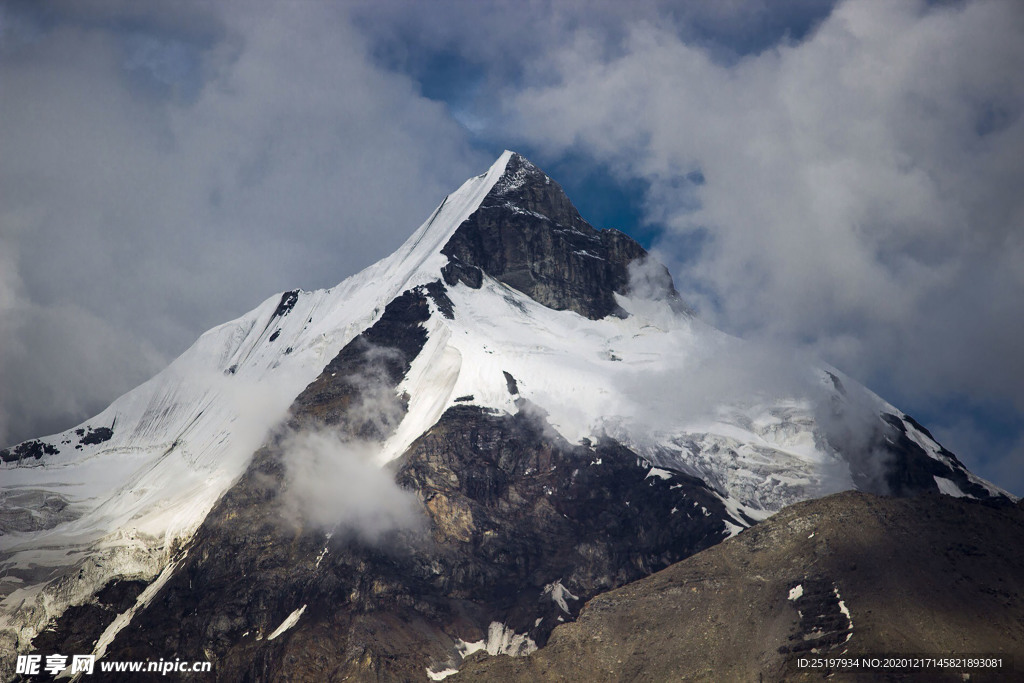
527 234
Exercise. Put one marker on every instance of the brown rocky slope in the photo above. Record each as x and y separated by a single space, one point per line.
931 575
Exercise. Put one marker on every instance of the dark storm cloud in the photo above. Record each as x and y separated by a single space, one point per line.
164 167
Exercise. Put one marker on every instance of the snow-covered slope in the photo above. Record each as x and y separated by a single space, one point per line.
760 441
141 476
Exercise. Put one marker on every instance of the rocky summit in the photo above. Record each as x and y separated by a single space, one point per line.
443 458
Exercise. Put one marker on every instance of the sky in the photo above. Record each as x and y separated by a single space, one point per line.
840 177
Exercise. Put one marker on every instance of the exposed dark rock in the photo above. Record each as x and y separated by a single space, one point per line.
28 449
525 508
96 436
287 303
920 427
527 234
355 392
439 295
275 335
79 627
510 382
899 566
912 471
455 271
836 383
822 622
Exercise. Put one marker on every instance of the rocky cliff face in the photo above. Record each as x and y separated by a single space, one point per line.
848 575
528 235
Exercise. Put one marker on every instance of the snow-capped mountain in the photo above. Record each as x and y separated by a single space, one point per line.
561 423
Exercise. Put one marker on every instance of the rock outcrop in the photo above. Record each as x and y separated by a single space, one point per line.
848 575
528 235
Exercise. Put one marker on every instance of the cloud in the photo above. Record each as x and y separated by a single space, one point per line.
839 176
857 191
740 383
334 484
334 479
56 358
164 170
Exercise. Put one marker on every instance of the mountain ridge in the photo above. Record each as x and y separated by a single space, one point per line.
848 575
505 314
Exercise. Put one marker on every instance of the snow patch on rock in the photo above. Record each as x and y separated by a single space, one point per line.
288 622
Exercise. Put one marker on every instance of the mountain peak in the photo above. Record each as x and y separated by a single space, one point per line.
527 234
536 459
522 186
515 224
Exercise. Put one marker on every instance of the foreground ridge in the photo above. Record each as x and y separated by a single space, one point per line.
841 577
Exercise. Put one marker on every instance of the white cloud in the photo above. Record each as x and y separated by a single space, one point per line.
862 186
163 171
165 168
336 485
